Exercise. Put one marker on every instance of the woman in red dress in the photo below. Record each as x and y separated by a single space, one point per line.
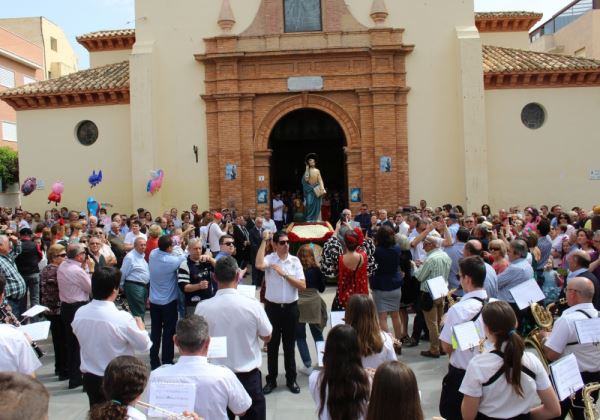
352 269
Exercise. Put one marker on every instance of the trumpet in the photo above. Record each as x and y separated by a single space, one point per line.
590 411
7 317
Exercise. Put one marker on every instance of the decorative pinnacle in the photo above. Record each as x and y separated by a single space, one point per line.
379 12
226 18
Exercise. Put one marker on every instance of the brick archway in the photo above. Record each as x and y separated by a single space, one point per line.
321 103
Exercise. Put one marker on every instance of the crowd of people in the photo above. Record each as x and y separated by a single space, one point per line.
99 275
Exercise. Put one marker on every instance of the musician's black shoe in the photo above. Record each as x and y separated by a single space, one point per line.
269 387
293 387
75 384
63 376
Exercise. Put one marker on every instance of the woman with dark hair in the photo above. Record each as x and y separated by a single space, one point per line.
375 345
584 242
341 389
125 379
532 218
387 282
394 394
506 382
310 305
486 212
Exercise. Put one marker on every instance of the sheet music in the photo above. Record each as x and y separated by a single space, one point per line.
437 287
247 290
527 293
588 330
566 376
34 310
38 331
217 348
466 335
320 351
337 317
173 397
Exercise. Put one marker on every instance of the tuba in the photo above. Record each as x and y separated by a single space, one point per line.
590 410
544 320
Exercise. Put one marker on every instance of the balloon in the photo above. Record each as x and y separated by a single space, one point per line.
155 181
92 206
95 178
55 196
29 186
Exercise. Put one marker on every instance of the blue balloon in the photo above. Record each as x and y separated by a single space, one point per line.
92 206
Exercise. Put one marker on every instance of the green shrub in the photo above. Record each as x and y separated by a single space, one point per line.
9 167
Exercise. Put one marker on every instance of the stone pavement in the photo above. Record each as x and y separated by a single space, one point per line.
73 404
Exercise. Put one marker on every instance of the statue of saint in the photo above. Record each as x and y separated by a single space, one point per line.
313 187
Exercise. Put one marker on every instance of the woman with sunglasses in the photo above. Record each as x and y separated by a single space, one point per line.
49 297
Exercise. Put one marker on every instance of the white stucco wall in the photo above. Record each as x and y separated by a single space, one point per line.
50 151
518 40
102 58
548 165
435 123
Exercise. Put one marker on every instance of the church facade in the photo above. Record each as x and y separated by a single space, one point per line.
401 100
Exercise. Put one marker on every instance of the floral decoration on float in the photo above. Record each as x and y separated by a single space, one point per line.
309 232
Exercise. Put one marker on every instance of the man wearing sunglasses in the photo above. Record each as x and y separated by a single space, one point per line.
227 249
283 278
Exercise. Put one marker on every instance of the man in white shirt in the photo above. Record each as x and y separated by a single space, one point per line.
472 275
283 278
278 211
563 340
214 233
217 388
269 223
243 321
16 354
133 234
104 332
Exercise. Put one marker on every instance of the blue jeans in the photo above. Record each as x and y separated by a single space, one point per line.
317 335
33 287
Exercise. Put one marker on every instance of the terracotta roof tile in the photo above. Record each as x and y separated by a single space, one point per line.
512 60
107 34
109 77
509 14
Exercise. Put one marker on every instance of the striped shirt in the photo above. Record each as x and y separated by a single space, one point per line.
15 285
437 264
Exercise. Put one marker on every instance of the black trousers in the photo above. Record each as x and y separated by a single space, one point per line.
252 382
519 417
575 405
284 319
419 325
67 313
257 276
163 320
93 388
451 398
59 342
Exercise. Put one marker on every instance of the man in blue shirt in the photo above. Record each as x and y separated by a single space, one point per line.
518 271
163 300
135 276
364 217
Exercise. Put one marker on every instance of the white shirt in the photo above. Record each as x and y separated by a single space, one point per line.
213 234
131 237
563 333
403 228
387 353
217 388
242 320
16 354
135 414
499 399
418 253
279 290
463 311
277 213
270 224
104 332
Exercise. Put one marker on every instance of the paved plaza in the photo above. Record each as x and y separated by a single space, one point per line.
68 404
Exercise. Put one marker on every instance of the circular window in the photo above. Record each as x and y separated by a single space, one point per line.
533 116
87 132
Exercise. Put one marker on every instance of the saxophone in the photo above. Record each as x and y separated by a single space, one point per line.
590 410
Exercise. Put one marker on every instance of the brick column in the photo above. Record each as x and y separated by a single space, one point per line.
247 153
262 164
355 176
229 150
367 162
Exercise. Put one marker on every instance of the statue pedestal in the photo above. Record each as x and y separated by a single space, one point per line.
308 232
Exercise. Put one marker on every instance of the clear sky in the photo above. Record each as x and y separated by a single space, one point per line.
77 17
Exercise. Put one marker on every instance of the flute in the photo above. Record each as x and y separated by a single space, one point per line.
172 415
7 317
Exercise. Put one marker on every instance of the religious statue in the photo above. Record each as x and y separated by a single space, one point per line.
313 187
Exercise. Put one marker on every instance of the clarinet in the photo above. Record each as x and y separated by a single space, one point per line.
7 317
